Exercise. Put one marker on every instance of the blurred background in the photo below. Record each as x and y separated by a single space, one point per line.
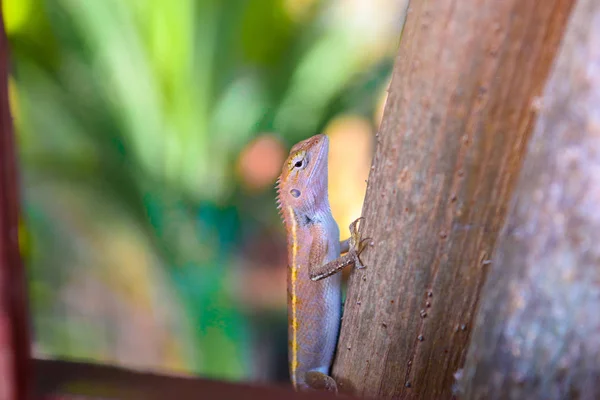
150 136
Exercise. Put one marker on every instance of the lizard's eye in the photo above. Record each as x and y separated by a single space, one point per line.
299 161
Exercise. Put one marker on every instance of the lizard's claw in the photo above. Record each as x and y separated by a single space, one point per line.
355 253
353 228
356 244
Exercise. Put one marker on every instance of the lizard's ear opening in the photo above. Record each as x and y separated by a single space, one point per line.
295 193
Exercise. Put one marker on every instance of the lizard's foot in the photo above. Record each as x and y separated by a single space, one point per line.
357 245
352 247
320 381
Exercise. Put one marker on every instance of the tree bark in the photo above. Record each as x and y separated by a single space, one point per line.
453 135
14 333
537 334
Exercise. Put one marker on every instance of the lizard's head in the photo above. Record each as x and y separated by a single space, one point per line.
303 180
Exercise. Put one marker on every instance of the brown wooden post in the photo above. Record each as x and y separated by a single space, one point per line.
537 334
14 334
449 149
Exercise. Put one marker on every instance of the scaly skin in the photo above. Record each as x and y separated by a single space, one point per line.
314 253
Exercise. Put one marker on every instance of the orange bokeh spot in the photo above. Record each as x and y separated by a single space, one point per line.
260 162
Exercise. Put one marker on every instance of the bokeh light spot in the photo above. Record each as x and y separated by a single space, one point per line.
260 162
350 153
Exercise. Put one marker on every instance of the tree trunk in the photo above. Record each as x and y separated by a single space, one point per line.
537 334
449 149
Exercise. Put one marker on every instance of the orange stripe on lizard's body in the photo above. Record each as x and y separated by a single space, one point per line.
294 280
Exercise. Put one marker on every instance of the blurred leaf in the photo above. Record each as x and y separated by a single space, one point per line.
266 31
16 15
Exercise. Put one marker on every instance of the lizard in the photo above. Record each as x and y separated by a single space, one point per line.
314 253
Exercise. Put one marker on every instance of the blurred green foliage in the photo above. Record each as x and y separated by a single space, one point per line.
130 118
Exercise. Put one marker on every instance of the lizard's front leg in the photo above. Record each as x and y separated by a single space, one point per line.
353 247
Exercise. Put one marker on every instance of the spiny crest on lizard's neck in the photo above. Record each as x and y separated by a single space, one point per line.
302 184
